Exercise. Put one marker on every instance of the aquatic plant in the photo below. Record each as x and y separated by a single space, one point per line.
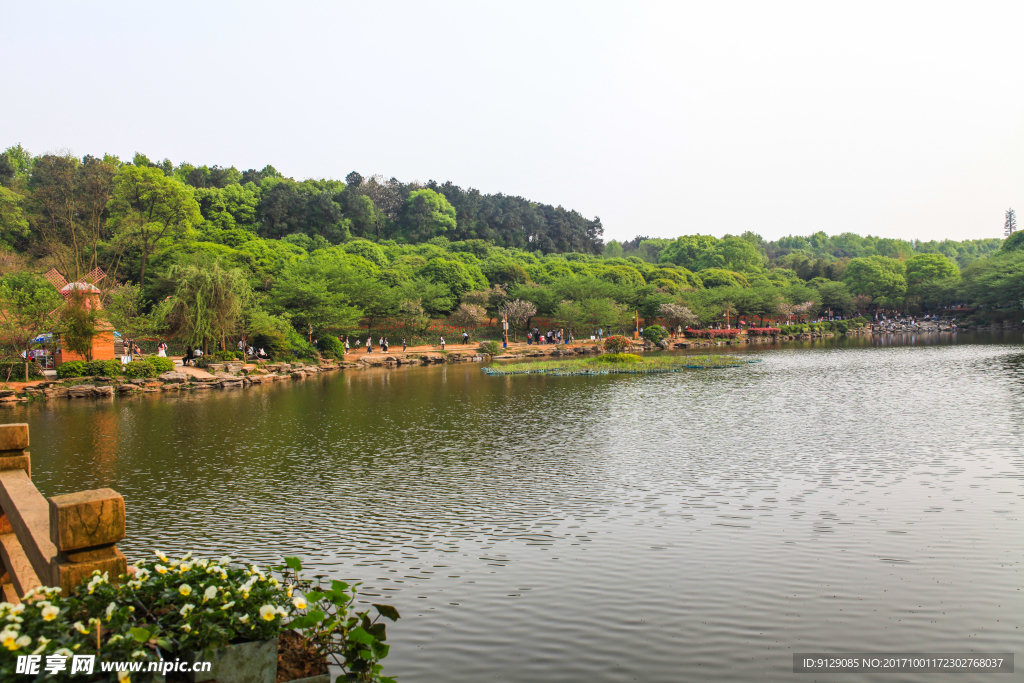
627 366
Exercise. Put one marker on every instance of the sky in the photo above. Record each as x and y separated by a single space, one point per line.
899 119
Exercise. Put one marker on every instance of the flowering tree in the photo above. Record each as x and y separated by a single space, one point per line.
804 309
677 314
468 316
517 313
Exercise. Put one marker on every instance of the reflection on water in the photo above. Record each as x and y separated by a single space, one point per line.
840 495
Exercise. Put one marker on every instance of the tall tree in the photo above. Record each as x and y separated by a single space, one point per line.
208 301
149 208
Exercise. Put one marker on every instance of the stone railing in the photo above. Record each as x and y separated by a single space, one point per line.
55 542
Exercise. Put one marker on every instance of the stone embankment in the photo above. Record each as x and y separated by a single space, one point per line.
229 376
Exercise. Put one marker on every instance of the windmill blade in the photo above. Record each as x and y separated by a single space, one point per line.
94 275
55 278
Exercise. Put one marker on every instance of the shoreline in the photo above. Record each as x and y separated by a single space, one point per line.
239 375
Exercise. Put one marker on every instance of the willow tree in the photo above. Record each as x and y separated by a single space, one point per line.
208 302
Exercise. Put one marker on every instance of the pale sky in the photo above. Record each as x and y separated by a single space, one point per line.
663 118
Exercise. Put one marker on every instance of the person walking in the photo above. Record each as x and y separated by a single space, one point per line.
161 350
465 337
403 345
369 344
442 343
346 345
384 344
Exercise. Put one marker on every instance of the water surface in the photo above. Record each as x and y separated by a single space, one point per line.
858 495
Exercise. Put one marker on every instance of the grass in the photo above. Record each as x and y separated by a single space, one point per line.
624 363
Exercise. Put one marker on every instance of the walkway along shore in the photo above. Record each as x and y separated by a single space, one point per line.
233 375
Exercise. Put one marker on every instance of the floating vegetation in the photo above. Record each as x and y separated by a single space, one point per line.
618 364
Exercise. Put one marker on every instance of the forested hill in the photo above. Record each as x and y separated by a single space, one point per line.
270 205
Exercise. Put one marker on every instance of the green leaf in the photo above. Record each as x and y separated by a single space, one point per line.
140 634
315 596
388 611
308 621
360 636
378 631
339 586
293 563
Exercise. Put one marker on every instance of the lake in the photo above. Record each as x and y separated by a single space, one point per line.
843 495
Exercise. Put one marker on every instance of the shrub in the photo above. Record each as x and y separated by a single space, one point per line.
713 334
491 347
619 358
763 331
331 347
139 369
616 343
73 368
17 371
159 364
655 333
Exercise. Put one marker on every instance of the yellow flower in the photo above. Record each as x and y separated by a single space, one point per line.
185 589
124 677
159 554
268 613
7 639
80 627
50 613
184 567
160 569
299 602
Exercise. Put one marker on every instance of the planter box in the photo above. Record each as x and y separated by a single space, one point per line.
253 662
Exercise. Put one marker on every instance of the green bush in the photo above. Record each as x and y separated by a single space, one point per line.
619 358
159 364
138 369
17 371
491 347
655 333
331 347
73 368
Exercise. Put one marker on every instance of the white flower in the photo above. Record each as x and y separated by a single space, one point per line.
23 641
160 569
185 589
186 628
142 575
80 627
124 677
228 606
225 560
8 638
110 610
160 555
202 563
139 653
244 618
186 609
282 611
268 613
50 613
64 652
184 567
299 602
174 563
186 556
210 594
18 609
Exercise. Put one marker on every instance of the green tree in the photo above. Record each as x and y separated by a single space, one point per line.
149 208
688 251
27 305
79 322
879 277
426 214
926 269
208 301
126 311
317 294
13 223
